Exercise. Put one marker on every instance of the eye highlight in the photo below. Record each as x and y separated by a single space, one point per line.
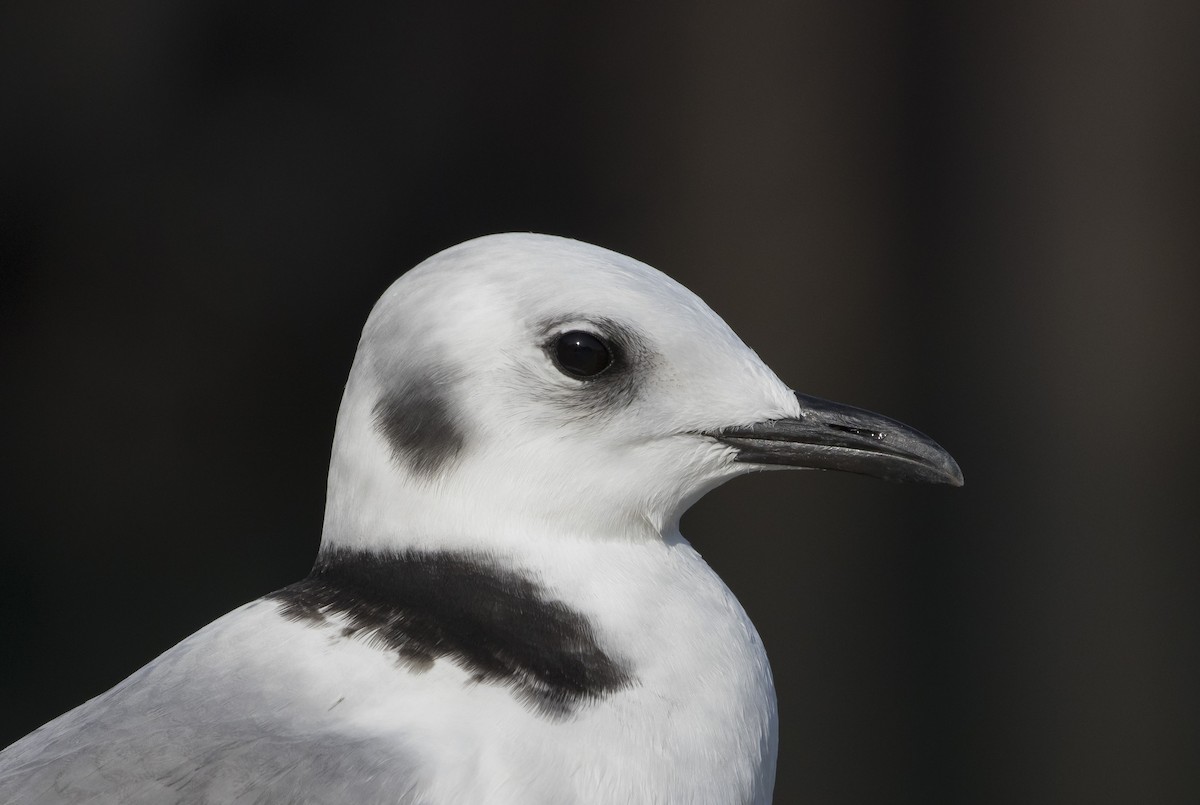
581 354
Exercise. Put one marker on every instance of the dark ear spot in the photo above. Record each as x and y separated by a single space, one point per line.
418 422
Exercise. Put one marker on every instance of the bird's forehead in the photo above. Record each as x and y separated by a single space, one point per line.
513 283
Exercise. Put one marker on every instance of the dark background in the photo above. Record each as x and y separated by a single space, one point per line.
979 218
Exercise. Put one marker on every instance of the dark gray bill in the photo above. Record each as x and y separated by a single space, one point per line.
832 436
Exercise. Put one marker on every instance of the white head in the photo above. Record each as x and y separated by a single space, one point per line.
461 427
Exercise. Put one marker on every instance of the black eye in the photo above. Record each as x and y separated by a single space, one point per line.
582 354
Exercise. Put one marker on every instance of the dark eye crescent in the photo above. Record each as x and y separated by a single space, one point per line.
581 354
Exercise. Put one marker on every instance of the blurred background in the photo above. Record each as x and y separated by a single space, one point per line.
981 219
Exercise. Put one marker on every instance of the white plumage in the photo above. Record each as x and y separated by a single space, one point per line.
504 610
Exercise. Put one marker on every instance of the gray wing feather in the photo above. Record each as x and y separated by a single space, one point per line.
208 766
177 732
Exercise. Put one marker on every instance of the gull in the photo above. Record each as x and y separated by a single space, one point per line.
502 609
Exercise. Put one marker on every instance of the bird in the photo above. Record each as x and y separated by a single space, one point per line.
502 608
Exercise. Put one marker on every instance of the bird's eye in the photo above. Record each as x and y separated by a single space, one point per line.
581 354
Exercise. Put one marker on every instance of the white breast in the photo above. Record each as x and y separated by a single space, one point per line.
697 724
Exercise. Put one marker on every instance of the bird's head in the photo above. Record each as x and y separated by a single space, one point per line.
524 386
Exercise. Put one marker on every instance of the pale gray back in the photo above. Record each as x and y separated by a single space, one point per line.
179 731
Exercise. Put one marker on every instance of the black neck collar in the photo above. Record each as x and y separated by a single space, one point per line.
499 624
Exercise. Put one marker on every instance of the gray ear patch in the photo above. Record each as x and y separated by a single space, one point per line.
418 421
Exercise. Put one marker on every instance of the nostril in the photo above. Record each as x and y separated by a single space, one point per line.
864 432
